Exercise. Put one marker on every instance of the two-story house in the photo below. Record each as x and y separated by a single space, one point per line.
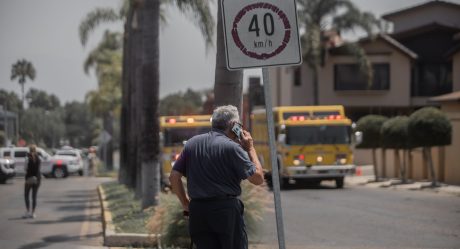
418 60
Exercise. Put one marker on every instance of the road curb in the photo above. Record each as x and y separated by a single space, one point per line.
114 239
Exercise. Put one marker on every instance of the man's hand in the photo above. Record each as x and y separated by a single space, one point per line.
246 141
248 145
178 188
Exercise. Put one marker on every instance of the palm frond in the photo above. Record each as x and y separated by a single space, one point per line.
200 13
124 9
22 69
355 19
111 42
365 65
93 19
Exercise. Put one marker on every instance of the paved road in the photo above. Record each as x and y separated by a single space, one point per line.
358 217
322 218
68 215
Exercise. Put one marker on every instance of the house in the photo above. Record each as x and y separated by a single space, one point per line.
412 65
418 60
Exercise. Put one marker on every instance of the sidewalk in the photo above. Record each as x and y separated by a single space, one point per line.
368 181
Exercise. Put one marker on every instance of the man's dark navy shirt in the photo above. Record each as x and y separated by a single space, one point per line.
214 165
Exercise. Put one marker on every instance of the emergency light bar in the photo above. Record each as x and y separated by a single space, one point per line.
189 120
303 118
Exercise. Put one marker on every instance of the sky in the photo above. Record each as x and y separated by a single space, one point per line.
45 32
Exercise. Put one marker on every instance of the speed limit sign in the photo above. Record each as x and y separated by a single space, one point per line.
260 33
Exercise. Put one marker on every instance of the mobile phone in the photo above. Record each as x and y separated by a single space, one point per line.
237 129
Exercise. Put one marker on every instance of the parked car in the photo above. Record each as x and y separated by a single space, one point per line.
19 155
7 169
67 161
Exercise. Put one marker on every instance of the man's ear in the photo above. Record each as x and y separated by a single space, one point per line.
229 131
229 128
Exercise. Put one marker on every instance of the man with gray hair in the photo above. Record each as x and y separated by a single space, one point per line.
214 164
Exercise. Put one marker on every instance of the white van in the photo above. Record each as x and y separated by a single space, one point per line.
19 154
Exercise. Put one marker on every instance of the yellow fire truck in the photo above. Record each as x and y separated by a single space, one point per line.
174 133
313 143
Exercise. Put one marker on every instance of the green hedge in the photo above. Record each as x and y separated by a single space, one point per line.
429 127
395 133
370 126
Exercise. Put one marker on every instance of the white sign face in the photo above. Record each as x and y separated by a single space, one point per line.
260 33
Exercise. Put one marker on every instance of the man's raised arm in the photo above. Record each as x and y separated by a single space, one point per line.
247 143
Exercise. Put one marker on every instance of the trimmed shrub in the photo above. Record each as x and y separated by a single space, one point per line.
429 127
394 133
370 126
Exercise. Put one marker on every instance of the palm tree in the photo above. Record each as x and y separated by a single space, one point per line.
22 70
105 101
150 83
228 85
318 16
141 82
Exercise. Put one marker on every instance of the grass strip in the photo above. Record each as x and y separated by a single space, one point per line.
127 214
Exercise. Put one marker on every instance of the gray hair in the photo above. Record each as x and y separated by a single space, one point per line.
224 116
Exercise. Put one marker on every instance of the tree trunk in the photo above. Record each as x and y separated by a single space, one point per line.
397 167
150 89
123 173
228 85
411 165
23 95
138 98
403 167
374 161
135 54
108 150
429 161
384 163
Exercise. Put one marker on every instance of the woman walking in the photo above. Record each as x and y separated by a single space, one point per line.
33 177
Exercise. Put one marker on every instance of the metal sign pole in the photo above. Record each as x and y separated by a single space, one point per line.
274 160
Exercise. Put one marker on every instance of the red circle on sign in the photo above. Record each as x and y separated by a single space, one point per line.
281 15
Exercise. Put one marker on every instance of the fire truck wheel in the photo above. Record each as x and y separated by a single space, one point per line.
339 182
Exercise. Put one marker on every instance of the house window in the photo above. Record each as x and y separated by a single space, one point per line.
350 77
431 79
298 76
